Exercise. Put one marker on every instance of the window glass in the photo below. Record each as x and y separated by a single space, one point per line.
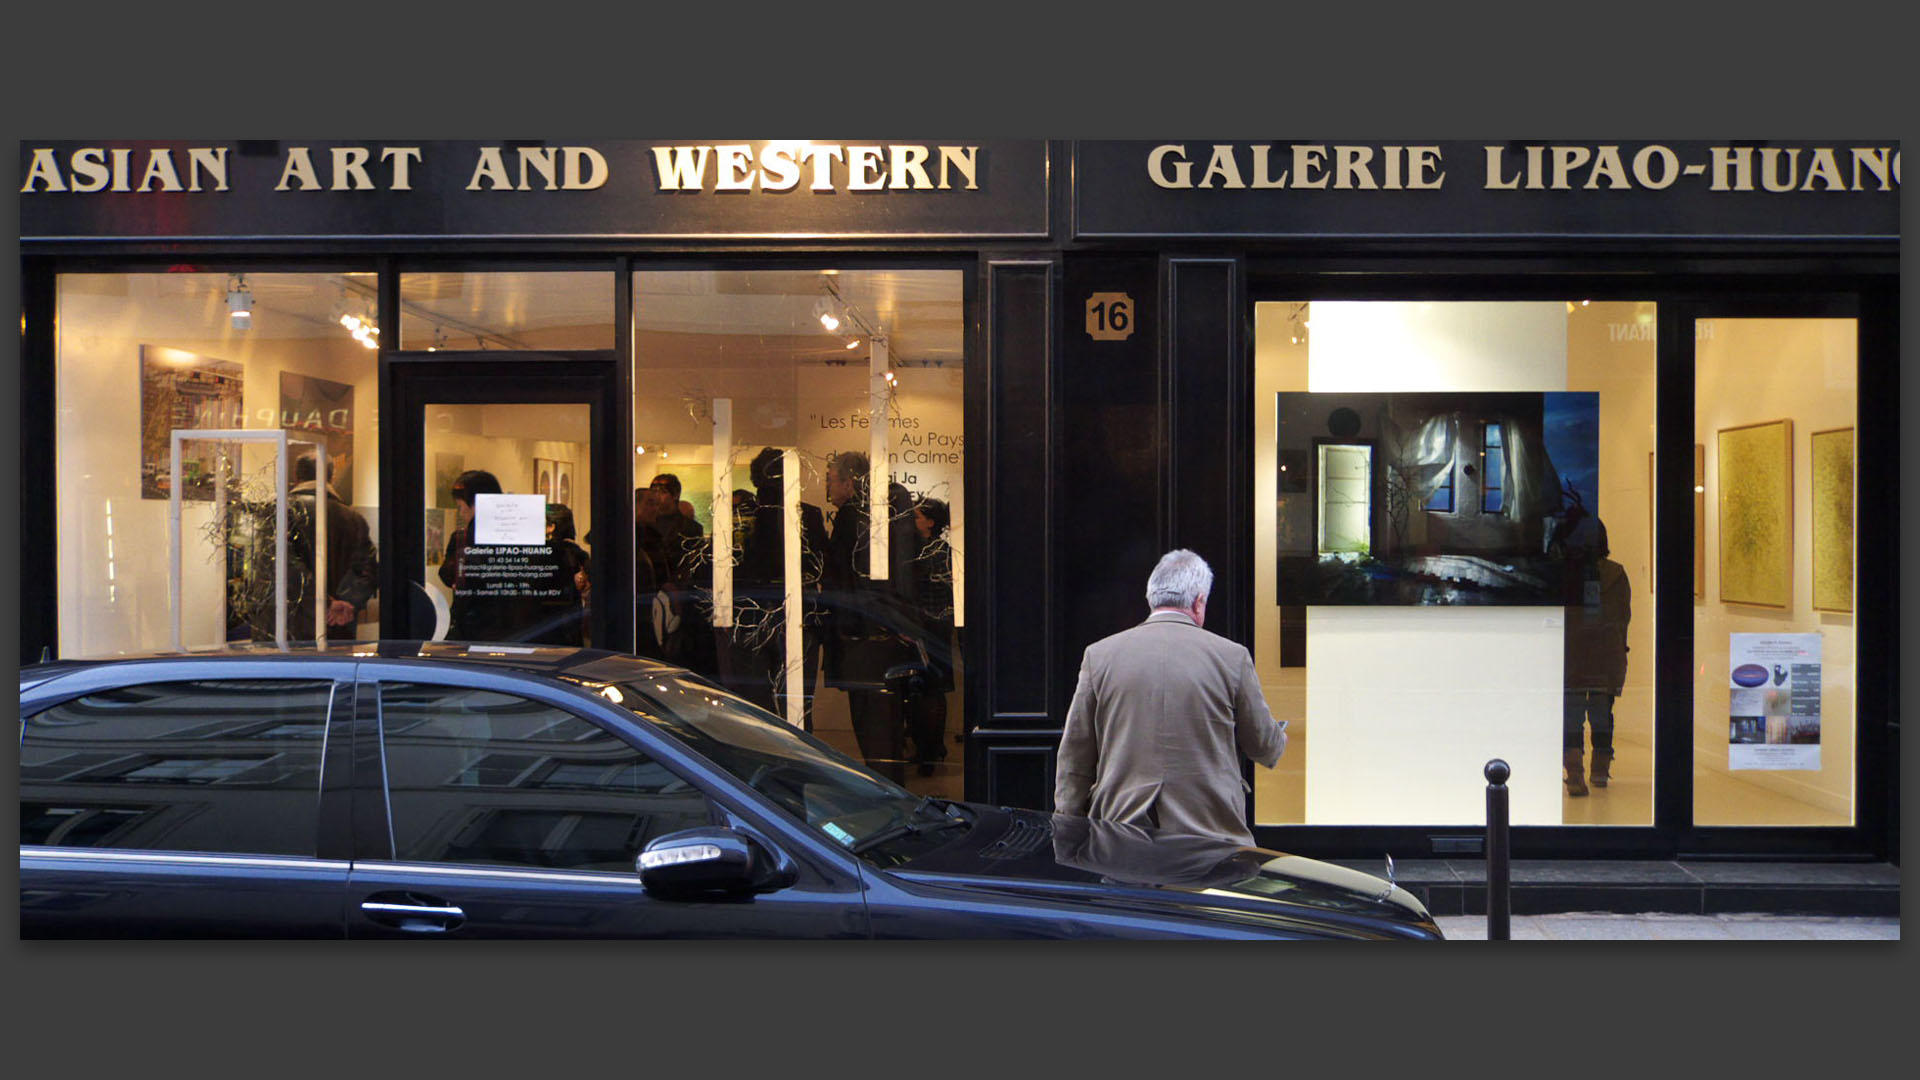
475 776
208 766
1776 404
808 427
512 311
139 356
1477 582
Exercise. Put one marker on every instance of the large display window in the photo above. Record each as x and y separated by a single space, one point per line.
798 464
138 356
1776 410
1453 558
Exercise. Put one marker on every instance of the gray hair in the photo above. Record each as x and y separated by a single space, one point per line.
1180 579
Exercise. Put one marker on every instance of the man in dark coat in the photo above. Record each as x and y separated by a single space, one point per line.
353 563
867 620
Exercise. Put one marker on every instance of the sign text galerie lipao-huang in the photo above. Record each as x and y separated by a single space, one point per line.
1534 167
774 166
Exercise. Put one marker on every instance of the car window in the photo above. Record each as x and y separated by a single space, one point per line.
477 776
228 766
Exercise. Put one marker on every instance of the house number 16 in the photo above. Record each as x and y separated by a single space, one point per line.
1109 316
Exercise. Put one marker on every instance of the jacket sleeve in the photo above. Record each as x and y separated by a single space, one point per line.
1078 760
1261 737
362 577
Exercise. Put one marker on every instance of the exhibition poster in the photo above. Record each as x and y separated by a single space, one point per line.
1774 701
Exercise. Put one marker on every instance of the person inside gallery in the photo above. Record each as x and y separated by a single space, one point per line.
353 562
1599 606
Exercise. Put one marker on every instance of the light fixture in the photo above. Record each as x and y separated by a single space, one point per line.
823 310
853 343
239 302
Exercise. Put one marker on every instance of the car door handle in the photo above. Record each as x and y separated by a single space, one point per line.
417 914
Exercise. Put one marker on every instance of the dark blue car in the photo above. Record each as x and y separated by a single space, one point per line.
409 789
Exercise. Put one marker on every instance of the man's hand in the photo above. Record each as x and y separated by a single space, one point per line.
339 613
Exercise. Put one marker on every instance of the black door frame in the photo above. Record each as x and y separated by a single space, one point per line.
1787 288
410 380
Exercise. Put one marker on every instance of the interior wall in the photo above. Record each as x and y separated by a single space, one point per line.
1408 703
113 547
1751 371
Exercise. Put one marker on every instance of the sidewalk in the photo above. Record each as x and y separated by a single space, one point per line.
1603 926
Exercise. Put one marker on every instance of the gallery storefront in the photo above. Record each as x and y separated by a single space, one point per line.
1480 439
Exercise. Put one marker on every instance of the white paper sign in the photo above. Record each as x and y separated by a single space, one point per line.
1773 683
509 519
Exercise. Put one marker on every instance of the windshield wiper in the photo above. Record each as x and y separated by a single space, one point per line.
910 827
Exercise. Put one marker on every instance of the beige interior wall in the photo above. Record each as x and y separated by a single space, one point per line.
113 585
1752 371
1611 350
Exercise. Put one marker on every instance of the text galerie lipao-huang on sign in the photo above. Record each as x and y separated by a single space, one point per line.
1530 167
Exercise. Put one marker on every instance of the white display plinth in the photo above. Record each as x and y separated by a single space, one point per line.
1406 705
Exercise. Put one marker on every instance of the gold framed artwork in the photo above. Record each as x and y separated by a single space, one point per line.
1756 514
1832 463
1699 521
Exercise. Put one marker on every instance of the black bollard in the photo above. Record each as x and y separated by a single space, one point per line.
1499 900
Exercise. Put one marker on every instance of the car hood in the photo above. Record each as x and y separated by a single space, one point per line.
1126 867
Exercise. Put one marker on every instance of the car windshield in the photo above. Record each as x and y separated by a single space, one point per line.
864 812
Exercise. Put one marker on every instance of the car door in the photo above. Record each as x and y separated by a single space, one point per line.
494 809
190 799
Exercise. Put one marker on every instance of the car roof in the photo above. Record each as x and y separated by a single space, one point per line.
566 661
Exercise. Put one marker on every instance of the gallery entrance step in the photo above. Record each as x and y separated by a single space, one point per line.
1551 886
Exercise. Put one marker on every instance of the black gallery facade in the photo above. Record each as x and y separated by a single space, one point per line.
1547 452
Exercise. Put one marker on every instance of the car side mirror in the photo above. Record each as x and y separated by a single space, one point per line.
908 681
710 860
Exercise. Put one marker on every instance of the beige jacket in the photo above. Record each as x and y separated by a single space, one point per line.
1160 718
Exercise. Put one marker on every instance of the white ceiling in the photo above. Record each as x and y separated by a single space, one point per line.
920 312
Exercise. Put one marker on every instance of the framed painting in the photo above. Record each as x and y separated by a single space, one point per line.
562 483
1756 514
543 469
446 469
1833 466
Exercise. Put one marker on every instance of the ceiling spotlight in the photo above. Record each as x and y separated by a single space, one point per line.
853 343
890 379
239 302
823 311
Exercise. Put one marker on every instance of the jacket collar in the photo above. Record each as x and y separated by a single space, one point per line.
1172 616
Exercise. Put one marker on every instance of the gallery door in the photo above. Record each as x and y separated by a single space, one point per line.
497 482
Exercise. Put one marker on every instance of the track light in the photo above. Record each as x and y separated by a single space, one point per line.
853 343
239 302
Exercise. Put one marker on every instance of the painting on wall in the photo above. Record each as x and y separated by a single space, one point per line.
563 483
447 468
543 470
312 407
438 525
1833 520
1433 498
1756 514
179 389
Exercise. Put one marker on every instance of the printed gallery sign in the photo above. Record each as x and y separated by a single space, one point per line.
775 189
1773 701
510 557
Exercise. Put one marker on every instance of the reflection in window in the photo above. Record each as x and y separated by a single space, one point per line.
140 768
476 776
